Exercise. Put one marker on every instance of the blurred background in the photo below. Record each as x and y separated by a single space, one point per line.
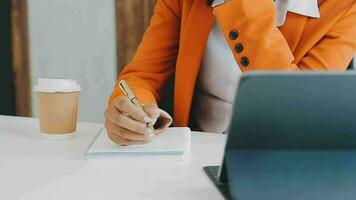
86 40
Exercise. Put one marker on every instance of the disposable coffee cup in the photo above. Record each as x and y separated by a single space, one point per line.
58 103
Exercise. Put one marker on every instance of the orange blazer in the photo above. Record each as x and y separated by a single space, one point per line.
174 44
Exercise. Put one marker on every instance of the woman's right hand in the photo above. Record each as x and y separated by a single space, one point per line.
126 124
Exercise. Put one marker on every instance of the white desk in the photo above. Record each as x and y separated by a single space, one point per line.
33 169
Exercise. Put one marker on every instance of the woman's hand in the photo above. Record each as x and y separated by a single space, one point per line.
126 124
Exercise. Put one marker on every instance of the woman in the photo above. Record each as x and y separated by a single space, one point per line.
206 46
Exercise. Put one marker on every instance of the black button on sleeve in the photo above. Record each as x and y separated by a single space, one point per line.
244 61
239 48
234 34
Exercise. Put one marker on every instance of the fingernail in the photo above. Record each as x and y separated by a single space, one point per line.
148 131
147 119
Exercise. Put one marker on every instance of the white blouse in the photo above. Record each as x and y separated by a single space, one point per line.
219 73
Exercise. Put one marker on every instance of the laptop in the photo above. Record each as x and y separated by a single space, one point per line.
292 136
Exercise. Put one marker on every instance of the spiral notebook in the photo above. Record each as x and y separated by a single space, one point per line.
172 142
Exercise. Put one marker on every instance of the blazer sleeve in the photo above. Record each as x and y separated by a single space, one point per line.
337 48
267 49
155 58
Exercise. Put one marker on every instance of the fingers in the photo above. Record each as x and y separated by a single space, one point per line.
124 105
126 122
123 141
127 134
151 110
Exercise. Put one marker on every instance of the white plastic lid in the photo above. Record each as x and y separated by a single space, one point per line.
56 85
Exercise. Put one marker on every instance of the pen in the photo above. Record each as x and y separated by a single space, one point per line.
132 97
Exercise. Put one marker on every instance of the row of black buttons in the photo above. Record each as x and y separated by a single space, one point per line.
239 48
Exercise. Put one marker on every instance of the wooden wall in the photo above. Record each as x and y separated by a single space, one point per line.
20 57
132 19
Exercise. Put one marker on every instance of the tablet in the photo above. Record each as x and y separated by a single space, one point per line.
291 136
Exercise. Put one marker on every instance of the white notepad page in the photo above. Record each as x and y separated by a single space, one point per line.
173 141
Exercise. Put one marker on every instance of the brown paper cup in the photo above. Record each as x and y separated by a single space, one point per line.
58 112
58 102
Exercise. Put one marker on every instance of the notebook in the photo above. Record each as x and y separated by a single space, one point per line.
171 142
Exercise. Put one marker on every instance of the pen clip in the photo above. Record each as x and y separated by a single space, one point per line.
123 88
127 91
